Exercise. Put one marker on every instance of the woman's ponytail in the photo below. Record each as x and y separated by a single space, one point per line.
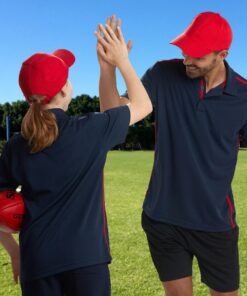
39 126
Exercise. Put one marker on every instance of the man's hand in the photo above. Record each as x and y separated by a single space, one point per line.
112 22
113 47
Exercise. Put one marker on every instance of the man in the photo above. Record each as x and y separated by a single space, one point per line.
200 109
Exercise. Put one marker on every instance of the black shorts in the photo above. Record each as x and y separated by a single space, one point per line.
85 281
172 249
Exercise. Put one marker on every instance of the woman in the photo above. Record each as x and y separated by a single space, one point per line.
58 160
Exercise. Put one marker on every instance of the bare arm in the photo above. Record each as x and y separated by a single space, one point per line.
108 93
139 101
12 247
113 49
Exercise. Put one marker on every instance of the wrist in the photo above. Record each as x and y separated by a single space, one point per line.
124 65
107 68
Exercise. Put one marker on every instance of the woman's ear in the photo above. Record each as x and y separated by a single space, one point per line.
63 91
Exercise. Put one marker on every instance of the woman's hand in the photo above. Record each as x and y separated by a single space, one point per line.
15 262
112 22
12 247
104 52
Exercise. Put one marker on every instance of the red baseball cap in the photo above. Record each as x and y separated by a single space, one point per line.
45 74
207 33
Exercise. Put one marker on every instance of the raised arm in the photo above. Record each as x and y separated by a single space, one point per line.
108 93
113 49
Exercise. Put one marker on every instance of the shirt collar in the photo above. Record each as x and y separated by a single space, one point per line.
58 112
231 82
229 87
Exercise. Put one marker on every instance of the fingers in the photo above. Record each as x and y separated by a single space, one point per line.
119 23
98 29
120 34
16 278
112 22
108 20
129 45
111 33
101 51
101 39
16 272
111 46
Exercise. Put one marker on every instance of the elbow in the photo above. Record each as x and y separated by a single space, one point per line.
149 108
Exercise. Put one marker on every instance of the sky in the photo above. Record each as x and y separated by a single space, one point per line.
30 26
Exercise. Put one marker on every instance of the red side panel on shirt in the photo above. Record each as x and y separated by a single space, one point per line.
241 80
104 214
231 210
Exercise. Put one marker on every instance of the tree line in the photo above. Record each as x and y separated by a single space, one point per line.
140 136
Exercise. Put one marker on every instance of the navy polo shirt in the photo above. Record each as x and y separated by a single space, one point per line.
196 147
65 223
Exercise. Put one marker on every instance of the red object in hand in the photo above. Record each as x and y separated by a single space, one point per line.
12 211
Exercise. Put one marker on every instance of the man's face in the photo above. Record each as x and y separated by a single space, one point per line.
199 67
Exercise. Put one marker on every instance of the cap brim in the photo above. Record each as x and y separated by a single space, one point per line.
190 47
65 55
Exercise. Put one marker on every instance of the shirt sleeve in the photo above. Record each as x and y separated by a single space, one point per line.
6 181
149 82
112 125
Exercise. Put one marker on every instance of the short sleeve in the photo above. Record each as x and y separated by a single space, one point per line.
6 181
112 125
149 81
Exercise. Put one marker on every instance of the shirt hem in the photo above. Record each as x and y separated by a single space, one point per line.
191 226
63 268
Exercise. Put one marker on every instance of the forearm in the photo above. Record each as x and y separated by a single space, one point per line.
112 49
108 93
9 243
138 97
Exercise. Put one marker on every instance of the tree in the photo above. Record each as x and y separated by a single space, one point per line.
140 135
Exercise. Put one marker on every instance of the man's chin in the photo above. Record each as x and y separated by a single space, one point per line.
192 75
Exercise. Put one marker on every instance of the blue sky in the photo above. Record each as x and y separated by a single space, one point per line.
30 26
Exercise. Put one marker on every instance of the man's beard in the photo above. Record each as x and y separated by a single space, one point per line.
193 71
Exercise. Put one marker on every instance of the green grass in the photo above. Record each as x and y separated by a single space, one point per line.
132 272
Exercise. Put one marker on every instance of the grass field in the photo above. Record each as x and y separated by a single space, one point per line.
132 273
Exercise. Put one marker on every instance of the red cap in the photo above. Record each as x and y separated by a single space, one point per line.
207 33
45 74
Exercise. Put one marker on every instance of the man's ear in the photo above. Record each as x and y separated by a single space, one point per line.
224 54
